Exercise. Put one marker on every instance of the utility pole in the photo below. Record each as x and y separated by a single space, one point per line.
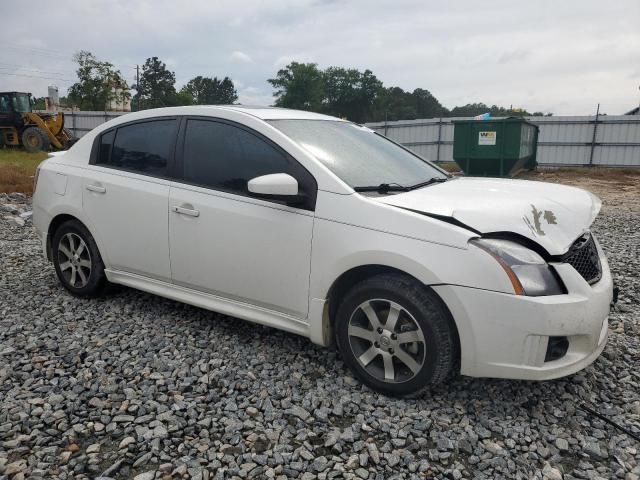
593 139
138 85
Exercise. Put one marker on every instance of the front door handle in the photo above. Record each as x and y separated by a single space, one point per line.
186 211
96 188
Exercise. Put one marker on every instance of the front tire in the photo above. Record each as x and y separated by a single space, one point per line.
396 335
77 260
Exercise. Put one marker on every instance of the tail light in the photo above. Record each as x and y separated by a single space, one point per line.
35 178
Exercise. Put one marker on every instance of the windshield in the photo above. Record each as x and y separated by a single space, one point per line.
357 155
21 103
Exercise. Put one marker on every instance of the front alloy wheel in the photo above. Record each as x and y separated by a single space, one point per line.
396 335
391 350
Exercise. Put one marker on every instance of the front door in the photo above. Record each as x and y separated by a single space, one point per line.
224 241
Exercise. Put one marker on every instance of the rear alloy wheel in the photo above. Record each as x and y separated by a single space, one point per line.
77 260
34 140
74 260
396 335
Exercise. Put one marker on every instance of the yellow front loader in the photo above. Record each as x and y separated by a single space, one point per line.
20 125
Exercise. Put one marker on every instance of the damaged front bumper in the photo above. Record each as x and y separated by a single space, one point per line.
532 338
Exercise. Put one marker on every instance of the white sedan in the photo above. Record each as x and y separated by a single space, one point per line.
326 229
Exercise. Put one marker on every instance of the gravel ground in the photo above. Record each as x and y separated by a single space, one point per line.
136 386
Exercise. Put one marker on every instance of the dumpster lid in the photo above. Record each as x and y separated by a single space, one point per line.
494 120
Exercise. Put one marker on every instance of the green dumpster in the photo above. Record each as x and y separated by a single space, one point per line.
495 148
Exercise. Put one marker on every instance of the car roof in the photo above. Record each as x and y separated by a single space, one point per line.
262 112
272 113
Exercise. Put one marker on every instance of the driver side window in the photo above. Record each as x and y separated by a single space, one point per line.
226 157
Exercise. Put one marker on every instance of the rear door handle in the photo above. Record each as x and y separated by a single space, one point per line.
187 211
96 188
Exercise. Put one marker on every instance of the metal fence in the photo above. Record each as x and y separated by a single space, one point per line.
611 141
605 140
82 122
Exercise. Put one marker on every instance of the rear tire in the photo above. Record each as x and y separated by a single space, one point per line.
77 260
34 140
396 335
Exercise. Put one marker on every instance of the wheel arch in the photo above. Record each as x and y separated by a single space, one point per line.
354 275
59 220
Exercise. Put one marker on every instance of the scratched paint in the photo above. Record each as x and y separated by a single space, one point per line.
537 217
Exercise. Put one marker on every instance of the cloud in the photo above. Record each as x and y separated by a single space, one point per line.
240 57
514 56
563 57
255 96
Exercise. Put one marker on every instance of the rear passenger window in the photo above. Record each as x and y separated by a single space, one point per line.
140 147
226 157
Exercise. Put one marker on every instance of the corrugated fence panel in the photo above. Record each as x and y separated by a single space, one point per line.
562 140
80 123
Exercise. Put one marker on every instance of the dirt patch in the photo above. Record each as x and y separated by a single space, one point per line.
617 187
17 169
15 179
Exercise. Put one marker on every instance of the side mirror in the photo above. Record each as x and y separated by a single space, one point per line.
276 184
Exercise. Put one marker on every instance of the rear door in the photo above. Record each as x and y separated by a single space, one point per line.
227 242
126 193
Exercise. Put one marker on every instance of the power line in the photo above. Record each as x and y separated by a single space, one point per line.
26 47
41 52
38 76
23 68
56 54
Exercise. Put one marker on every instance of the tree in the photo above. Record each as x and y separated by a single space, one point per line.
395 104
209 91
156 87
361 97
98 83
39 103
427 106
184 98
473 109
300 86
350 93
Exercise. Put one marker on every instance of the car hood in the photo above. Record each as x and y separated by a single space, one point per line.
551 215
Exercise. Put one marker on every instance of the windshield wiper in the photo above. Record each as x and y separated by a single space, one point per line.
383 188
428 182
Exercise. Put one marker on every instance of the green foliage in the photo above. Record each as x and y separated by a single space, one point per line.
361 96
97 82
350 93
208 91
156 87
184 98
395 104
39 104
336 91
473 109
299 86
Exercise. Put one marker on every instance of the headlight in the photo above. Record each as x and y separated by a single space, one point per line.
528 272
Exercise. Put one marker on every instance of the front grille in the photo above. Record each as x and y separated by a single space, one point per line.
583 256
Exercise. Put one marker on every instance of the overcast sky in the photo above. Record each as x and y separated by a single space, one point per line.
560 56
